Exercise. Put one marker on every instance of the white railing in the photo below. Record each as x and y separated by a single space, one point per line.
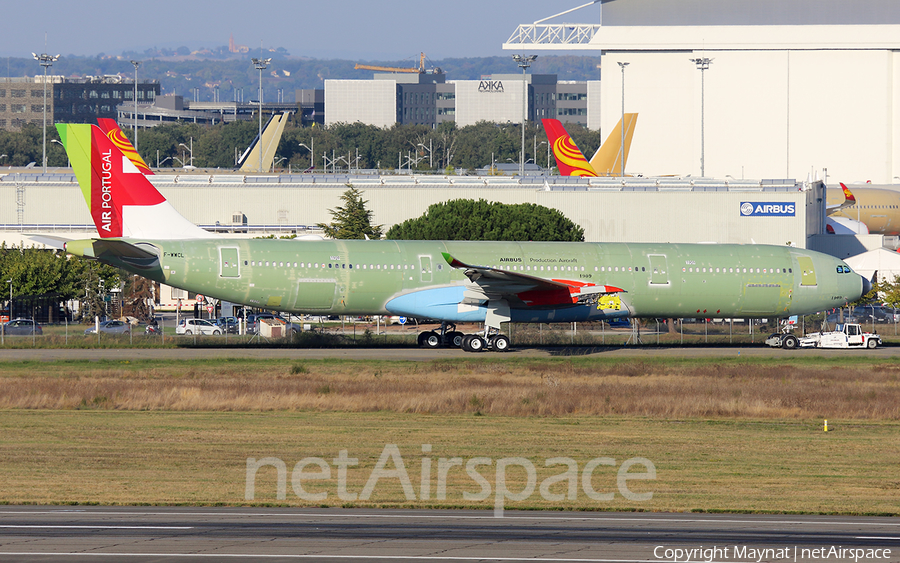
553 34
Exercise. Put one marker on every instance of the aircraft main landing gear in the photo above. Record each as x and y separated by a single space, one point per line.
452 338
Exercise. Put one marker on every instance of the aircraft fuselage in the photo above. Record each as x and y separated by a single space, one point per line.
412 278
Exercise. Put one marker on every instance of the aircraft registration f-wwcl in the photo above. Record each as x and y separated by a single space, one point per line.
449 281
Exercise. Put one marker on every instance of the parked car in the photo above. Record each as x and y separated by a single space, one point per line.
110 327
229 325
19 327
197 326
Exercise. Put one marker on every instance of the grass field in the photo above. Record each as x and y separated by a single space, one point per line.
730 435
200 458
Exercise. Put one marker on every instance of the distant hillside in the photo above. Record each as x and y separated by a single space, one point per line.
180 74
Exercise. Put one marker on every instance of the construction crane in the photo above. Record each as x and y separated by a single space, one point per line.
420 70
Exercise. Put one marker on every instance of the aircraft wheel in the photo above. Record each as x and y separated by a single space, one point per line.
500 343
431 340
790 342
455 339
476 343
421 340
872 344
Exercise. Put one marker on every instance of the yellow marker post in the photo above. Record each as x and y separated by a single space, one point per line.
826 425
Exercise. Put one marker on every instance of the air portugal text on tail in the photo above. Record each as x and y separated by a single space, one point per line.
122 202
451 281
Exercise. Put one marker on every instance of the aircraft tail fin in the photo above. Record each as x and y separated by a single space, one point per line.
266 147
569 158
608 160
111 128
849 200
122 201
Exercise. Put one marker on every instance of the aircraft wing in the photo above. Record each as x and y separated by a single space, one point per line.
849 199
530 291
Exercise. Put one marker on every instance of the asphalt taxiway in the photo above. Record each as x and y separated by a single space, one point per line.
139 534
422 354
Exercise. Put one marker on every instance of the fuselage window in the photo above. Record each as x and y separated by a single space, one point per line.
330 265
245 262
267 264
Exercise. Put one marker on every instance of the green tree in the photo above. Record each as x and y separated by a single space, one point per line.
353 221
467 219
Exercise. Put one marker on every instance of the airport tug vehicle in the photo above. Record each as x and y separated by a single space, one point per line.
844 335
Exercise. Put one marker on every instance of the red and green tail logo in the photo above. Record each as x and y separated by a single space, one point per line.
118 138
109 181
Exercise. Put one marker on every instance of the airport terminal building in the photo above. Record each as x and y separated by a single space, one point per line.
430 99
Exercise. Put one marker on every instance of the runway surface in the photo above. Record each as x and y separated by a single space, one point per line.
421 354
142 534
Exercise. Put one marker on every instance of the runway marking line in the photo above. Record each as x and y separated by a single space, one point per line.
67 527
457 517
362 557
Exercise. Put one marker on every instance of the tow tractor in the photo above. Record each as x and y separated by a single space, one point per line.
844 335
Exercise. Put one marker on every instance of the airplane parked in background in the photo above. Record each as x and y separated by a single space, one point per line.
451 281
876 208
607 161
251 161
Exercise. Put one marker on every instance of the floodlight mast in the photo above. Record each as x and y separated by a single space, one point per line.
622 65
136 65
524 62
702 65
45 61
261 65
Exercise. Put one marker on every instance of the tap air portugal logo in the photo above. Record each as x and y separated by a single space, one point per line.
118 138
767 209
116 184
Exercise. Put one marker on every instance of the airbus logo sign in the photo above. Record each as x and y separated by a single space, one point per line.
767 209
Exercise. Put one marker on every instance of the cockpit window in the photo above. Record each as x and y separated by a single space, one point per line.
844 269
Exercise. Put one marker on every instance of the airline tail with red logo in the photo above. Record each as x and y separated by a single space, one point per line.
117 136
122 201
569 158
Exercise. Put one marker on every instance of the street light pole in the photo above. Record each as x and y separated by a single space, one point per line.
261 65
622 65
45 61
136 65
312 153
524 62
702 66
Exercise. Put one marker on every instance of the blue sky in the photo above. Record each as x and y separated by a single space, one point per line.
352 29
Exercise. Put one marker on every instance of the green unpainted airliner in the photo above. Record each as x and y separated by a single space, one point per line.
453 282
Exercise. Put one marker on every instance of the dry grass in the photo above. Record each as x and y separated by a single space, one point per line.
115 457
668 389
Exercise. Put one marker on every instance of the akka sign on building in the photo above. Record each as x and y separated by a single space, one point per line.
490 86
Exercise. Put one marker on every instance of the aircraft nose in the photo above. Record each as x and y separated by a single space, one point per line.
866 285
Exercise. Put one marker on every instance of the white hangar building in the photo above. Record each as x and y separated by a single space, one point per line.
791 86
681 210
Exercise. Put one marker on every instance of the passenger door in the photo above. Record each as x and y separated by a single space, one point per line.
229 265
659 270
